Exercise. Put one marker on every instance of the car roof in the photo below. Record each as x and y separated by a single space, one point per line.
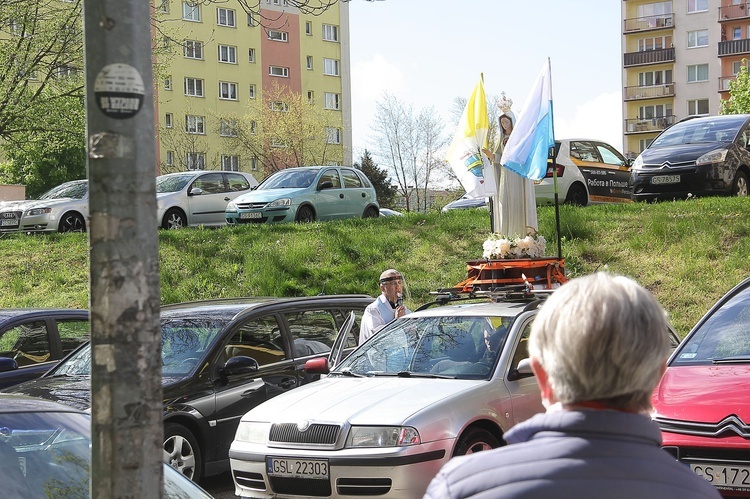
14 313
488 308
11 403
233 306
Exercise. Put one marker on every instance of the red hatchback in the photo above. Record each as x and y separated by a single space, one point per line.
703 402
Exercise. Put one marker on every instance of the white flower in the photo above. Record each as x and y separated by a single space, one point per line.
498 246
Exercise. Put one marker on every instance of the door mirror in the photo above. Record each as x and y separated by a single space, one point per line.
195 191
240 365
8 364
327 184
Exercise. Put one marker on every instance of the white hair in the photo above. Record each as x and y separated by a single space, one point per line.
601 338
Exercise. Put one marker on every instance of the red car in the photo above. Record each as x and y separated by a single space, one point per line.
703 402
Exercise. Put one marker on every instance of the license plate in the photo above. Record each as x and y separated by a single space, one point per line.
290 467
724 475
251 214
665 179
9 223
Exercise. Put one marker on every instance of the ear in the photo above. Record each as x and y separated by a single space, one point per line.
542 380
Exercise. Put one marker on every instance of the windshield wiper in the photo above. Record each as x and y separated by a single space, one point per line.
349 373
735 359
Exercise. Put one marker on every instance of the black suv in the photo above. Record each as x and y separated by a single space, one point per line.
220 358
698 156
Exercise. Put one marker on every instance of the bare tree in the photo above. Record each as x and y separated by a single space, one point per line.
409 145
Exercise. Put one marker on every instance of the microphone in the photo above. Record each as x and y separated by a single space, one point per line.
399 300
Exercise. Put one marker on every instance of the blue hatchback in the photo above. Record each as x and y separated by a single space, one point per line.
306 194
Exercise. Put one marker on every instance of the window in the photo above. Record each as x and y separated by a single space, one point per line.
649 78
698 38
193 49
191 12
310 97
736 33
654 43
351 179
311 326
168 120
254 163
228 128
331 67
251 92
164 7
251 55
28 343
309 62
333 135
278 71
194 87
196 161
277 142
654 111
644 143
697 72
165 42
230 163
308 28
332 101
251 21
697 5
225 17
170 158
278 36
227 90
253 126
228 54
279 106
330 33
237 182
168 83
697 106
195 124
736 65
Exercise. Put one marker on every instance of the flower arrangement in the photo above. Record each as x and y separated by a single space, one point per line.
498 247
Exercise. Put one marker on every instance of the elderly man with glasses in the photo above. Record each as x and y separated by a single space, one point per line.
388 306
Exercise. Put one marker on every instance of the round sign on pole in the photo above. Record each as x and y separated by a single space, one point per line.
119 91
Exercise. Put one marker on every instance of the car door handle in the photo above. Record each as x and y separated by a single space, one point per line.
341 196
364 195
227 199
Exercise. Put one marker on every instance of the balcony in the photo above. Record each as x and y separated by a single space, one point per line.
648 23
733 12
649 92
648 57
734 47
639 125
724 82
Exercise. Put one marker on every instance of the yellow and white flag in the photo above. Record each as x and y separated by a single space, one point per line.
465 152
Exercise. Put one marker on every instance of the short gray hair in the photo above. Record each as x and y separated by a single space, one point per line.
601 338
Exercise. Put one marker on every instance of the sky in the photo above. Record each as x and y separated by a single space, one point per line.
428 52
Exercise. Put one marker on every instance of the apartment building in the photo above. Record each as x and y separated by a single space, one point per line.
216 60
678 59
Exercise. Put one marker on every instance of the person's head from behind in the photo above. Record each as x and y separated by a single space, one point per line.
601 339
391 284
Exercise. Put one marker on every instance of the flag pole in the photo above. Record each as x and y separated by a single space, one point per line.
554 151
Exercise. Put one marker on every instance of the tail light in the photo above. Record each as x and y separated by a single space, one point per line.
560 171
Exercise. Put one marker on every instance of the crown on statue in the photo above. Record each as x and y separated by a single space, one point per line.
505 104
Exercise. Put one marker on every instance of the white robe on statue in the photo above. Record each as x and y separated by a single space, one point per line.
517 205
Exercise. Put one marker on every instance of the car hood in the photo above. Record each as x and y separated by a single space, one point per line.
268 195
680 153
704 393
385 401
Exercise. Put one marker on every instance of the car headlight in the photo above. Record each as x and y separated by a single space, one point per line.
382 436
252 432
717 156
231 206
280 202
38 211
638 163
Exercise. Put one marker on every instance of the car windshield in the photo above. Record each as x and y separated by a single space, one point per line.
461 347
290 179
184 342
699 131
74 190
723 338
172 183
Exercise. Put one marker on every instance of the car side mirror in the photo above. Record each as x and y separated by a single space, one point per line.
522 370
240 365
195 191
8 364
325 185
318 365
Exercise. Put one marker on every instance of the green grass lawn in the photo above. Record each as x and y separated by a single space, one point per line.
688 253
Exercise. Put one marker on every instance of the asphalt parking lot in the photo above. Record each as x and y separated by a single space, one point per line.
220 486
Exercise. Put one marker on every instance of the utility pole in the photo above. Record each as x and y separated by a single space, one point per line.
126 393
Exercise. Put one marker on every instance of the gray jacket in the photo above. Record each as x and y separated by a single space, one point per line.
573 454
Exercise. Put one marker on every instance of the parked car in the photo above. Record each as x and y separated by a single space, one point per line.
588 171
192 198
385 419
386 212
698 156
306 194
220 358
64 208
702 404
33 340
45 451
465 202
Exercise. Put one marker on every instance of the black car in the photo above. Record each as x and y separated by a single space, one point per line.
220 358
698 156
33 340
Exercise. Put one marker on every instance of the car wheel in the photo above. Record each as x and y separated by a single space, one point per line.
577 195
739 188
72 222
305 214
371 212
174 219
181 451
475 440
